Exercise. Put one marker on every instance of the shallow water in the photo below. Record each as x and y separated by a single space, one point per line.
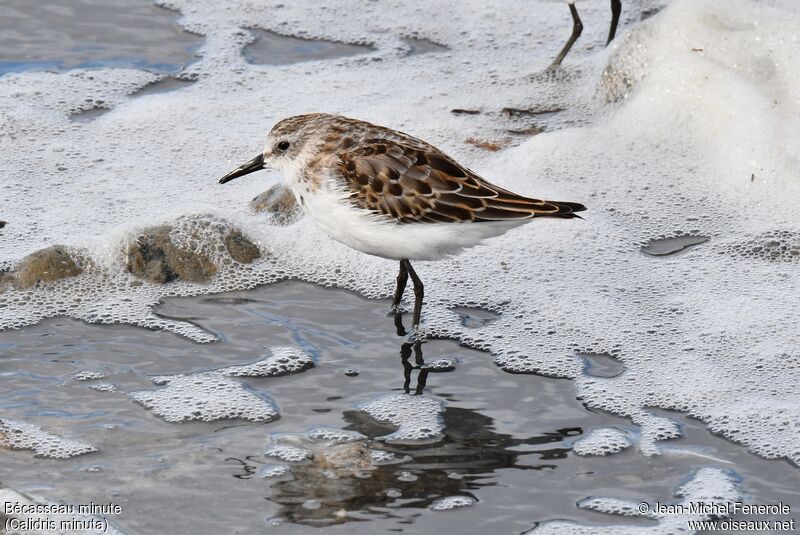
270 48
73 34
670 246
507 438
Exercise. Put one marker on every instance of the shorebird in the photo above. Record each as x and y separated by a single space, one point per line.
389 194
577 28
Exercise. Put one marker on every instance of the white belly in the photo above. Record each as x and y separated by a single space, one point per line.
375 235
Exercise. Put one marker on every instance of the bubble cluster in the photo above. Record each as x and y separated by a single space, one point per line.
772 246
418 418
104 387
213 237
440 365
289 454
24 436
382 457
284 360
205 397
710 486
269 471
656 428
330 453
34 101
87 375
602 441
334 436
613 506
451 502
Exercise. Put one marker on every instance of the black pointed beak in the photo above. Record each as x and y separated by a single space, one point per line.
256 164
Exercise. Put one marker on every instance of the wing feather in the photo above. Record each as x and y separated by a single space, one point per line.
411 181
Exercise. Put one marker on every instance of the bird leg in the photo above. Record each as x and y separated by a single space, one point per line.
398 325
616 9
418 292
577 28
402 279
405 354
422 378
408 368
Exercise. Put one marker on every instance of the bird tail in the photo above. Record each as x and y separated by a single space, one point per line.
566 210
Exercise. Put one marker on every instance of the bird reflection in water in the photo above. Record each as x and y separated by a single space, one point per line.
343 483
405 356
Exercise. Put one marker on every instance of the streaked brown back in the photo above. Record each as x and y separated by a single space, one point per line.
411 182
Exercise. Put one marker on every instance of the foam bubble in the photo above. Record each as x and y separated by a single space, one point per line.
382 457
334 454
451 502
205 397
25 436
418 418
87 375
407 476
284 360
440 365
602 441
269 471
104 387
289 454
710 486
335 436
770 246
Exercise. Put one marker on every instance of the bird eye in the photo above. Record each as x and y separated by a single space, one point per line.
283 145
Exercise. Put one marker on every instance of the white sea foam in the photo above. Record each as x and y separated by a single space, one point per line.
602 441
289 454
709 486
87 375
687 123
205 397
24 436
284 360
104 387
451 502
418 418
382 457
334 436
272 470
440 365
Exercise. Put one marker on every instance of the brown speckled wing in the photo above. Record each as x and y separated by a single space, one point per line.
416 183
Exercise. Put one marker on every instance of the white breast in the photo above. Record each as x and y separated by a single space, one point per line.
331 209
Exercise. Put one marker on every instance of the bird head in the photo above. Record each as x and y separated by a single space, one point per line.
284 146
